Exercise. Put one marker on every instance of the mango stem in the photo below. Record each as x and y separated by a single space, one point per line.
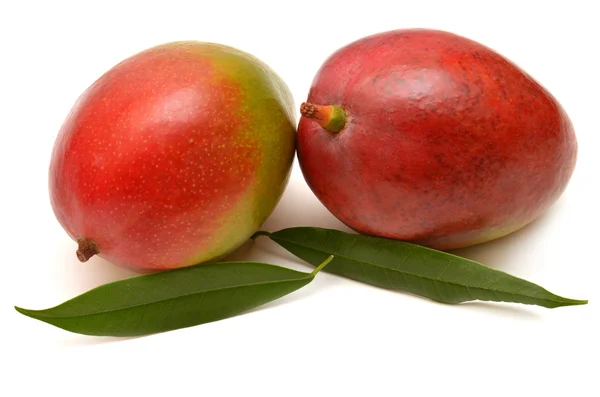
332 118
87 248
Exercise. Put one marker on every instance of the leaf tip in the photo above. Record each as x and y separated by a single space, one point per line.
575 302
35 314
25 312
560 301
322 265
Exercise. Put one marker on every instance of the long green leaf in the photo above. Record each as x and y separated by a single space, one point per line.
174 299
403 266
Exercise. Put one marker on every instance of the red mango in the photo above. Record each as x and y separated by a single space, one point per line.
430 137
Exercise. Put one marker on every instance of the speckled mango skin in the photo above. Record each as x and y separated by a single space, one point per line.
448 144
175 156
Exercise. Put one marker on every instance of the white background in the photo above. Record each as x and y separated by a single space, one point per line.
335 337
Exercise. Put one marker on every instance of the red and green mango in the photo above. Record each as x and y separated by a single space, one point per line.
173 157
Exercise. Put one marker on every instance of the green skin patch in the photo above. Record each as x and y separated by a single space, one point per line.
267 113
338 120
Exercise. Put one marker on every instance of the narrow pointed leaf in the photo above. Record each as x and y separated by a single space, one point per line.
173 299
403 266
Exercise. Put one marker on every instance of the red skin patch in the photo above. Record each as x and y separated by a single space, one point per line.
151 158
447 140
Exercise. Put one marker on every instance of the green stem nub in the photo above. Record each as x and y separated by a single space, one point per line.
87 248
332 118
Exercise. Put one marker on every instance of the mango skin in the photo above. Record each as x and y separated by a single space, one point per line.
175 156
448 144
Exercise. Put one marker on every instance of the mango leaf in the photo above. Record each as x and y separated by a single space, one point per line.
174 299
402 266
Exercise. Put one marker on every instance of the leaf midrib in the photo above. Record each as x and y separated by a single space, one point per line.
560 300
41 314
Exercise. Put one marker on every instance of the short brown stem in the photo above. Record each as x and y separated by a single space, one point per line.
309 110
87 248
